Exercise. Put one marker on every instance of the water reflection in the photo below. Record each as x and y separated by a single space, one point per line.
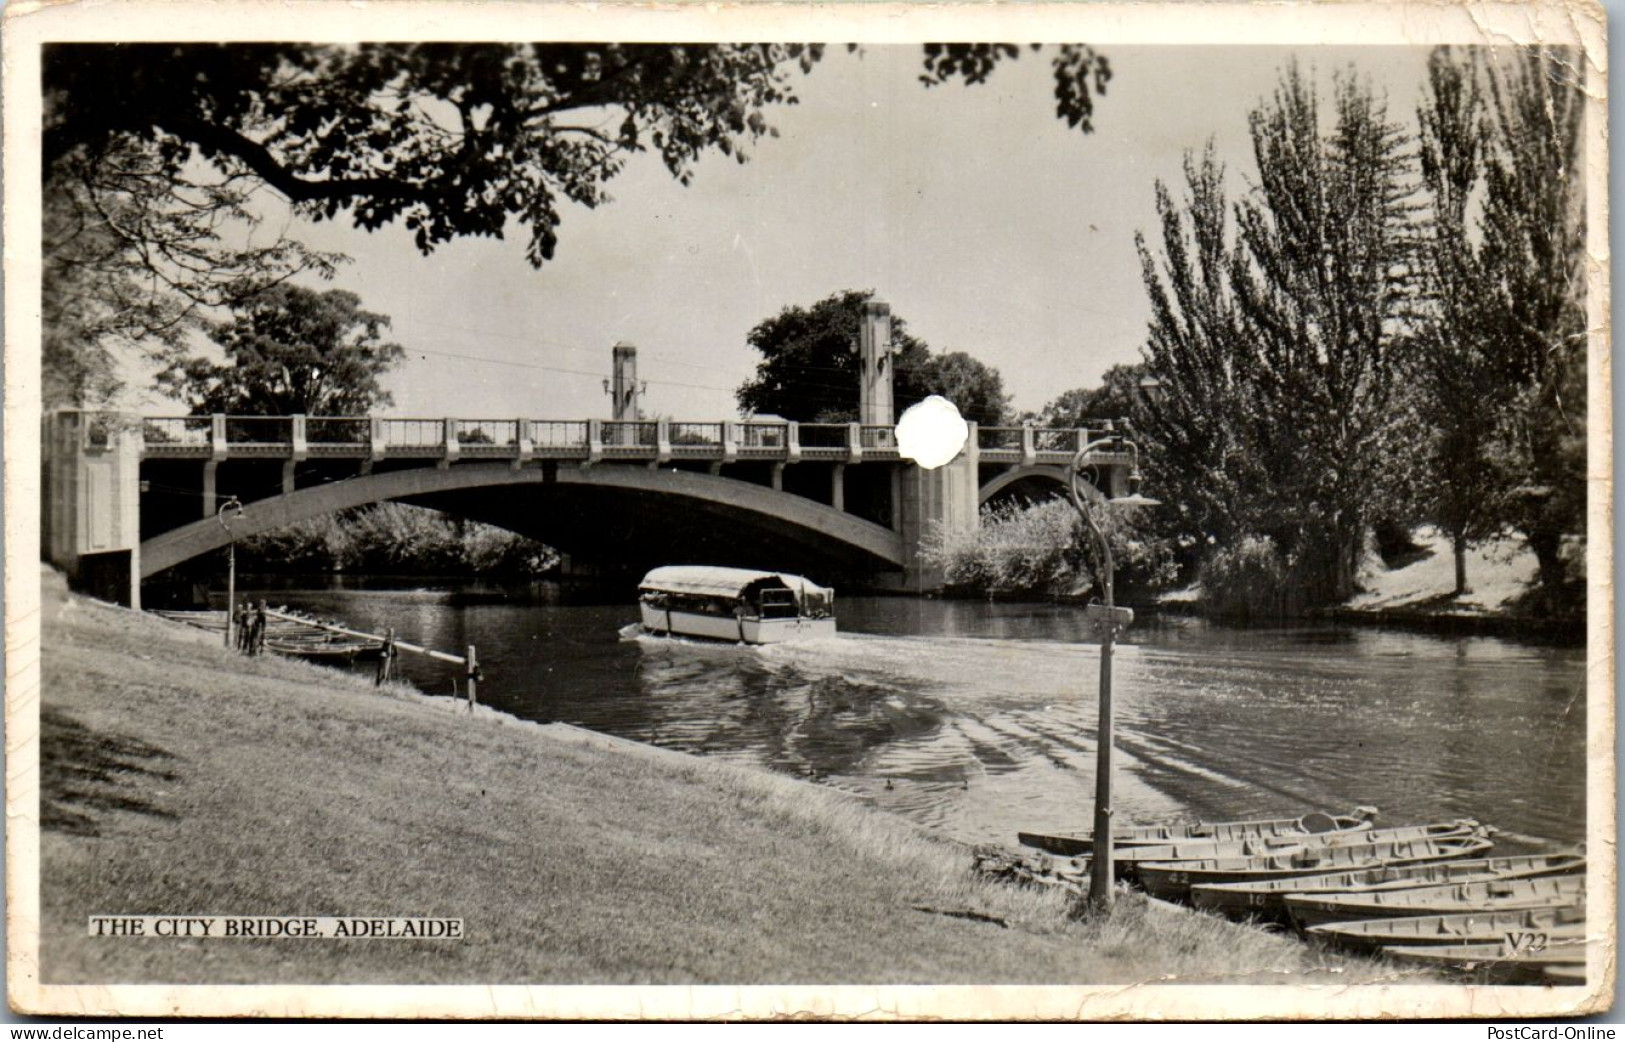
980 718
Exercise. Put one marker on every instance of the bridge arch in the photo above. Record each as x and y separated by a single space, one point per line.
1038 473
526 500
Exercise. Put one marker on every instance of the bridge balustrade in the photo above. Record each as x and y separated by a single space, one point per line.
1047 439
825 440
160 434
259 435
559 437
344 435
879 442
690 439
220 437
630 437
763 440
414 437
481 437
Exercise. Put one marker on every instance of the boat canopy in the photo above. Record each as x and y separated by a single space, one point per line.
716 581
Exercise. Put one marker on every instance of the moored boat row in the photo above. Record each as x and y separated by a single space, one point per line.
1424 895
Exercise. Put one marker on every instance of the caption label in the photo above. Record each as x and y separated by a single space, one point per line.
300 926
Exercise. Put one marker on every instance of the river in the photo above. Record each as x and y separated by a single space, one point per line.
979 719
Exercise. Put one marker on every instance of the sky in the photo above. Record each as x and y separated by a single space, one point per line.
985 222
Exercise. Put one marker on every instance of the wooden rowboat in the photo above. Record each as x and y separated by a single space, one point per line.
1265 898
1172 880
1532 927
1072 845
1502 895
1269 846
1496 963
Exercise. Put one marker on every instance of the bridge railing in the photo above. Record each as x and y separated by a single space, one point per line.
475 434
413 434
630 434
338 431
878 438
695 436
819 437
259 431
159 432
776 440
559 436
757 437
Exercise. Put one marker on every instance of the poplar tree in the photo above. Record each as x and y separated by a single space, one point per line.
1533 256
1280 351
1461 392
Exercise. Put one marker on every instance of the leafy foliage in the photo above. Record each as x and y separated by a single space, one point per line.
1279 347
152 150
456 139
289 350
809 367
396 538
1533 258
1461 394
135 252
1118 397
1041 549
974 387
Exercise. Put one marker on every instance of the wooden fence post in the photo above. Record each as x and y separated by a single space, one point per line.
473 678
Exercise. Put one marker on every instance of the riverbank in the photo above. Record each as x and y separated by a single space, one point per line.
179 778
1418 593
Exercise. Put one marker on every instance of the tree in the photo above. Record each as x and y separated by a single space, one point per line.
450 139
809 366
1533 257
975 388
289 350
1280 351
1461 396
134 255
1117 398
455 139
1202 467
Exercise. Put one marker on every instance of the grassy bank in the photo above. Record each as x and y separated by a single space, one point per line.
179 779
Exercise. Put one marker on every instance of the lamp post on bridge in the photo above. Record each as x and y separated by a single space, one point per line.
230 511
1111 620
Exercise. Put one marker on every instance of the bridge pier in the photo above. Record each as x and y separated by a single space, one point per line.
931 505
91 502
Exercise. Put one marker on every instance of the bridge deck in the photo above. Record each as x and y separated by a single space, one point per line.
654 441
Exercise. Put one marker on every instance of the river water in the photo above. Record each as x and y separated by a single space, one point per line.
979 719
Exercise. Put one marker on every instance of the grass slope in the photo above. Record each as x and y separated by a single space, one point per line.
179 779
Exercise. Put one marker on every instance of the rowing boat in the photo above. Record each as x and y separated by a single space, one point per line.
1499 963
1265 898
1172 880
1501 895
1529 927
1071 845
1270 846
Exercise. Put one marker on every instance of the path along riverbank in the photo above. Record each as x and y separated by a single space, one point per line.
180 778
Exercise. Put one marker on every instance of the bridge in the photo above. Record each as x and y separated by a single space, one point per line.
129 496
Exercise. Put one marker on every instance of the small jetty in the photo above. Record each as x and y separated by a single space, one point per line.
290 633
1422 895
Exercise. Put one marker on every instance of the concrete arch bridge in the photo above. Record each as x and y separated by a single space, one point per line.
128 496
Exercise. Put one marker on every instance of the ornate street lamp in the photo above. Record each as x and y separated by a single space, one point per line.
230 511
1110 620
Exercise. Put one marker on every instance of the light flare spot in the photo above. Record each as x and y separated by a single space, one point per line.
931 432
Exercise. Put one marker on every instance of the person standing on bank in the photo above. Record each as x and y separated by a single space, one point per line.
256 630
386 658
244 618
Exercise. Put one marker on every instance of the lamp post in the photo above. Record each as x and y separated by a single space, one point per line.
1111 619
230 511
